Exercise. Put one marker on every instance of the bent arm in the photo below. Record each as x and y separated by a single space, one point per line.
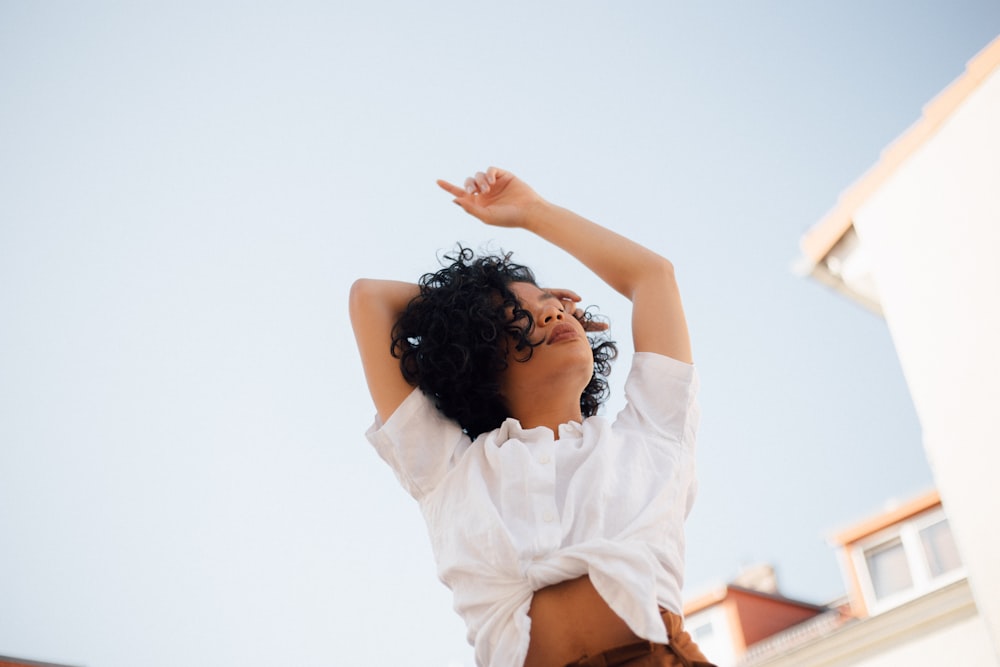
499 198
635 272
375 305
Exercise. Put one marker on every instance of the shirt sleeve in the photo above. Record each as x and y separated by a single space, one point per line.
661 397
418 442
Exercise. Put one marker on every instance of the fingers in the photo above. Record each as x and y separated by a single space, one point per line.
483 181
480 183
569 299
451 189
563 293
590 325
488 195
462 199
486 180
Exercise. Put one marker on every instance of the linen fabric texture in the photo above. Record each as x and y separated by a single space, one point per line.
517 510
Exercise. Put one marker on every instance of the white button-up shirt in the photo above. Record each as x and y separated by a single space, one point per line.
517 510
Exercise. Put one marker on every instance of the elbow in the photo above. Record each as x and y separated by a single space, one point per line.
664 267
660 270
359 286
370 297
360 294
652 275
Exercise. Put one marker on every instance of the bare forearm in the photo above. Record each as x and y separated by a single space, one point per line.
639 274
620 262
499 198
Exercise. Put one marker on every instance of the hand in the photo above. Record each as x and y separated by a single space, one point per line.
496 197
569 299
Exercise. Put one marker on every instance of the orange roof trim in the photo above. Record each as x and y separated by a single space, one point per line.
706 600
728 591
819 240
885 519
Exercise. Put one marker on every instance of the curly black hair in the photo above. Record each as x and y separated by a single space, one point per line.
450 339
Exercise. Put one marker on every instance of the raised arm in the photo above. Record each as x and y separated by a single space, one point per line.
375 306
499 198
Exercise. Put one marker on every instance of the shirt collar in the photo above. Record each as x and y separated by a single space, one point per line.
511 429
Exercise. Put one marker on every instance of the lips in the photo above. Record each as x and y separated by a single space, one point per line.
561 332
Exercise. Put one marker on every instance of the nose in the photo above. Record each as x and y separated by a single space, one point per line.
551 314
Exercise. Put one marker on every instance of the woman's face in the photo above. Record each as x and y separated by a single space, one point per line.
561 359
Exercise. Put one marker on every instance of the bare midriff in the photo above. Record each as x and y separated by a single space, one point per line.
570 620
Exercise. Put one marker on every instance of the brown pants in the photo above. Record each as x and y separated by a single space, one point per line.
680 652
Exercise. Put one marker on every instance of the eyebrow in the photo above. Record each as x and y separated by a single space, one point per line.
549 295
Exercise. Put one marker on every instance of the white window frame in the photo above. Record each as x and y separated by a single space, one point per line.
908 532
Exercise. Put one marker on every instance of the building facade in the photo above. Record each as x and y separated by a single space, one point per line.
914 240
909 602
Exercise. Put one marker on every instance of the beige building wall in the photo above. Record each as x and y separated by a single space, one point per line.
915 240
931 238
963 643
941 628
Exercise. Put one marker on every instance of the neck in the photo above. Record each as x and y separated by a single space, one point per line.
534 409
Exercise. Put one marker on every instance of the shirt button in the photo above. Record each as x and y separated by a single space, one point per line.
549 517
545 458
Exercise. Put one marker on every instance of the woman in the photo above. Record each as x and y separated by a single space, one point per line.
559 532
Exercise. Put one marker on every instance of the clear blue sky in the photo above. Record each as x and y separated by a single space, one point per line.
188 189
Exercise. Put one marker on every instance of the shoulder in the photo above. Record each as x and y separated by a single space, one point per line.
418 442
661 395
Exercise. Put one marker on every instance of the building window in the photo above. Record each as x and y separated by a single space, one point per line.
702 633
939 548
907 560
888 569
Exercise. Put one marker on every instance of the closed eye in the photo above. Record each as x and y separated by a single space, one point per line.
549 295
